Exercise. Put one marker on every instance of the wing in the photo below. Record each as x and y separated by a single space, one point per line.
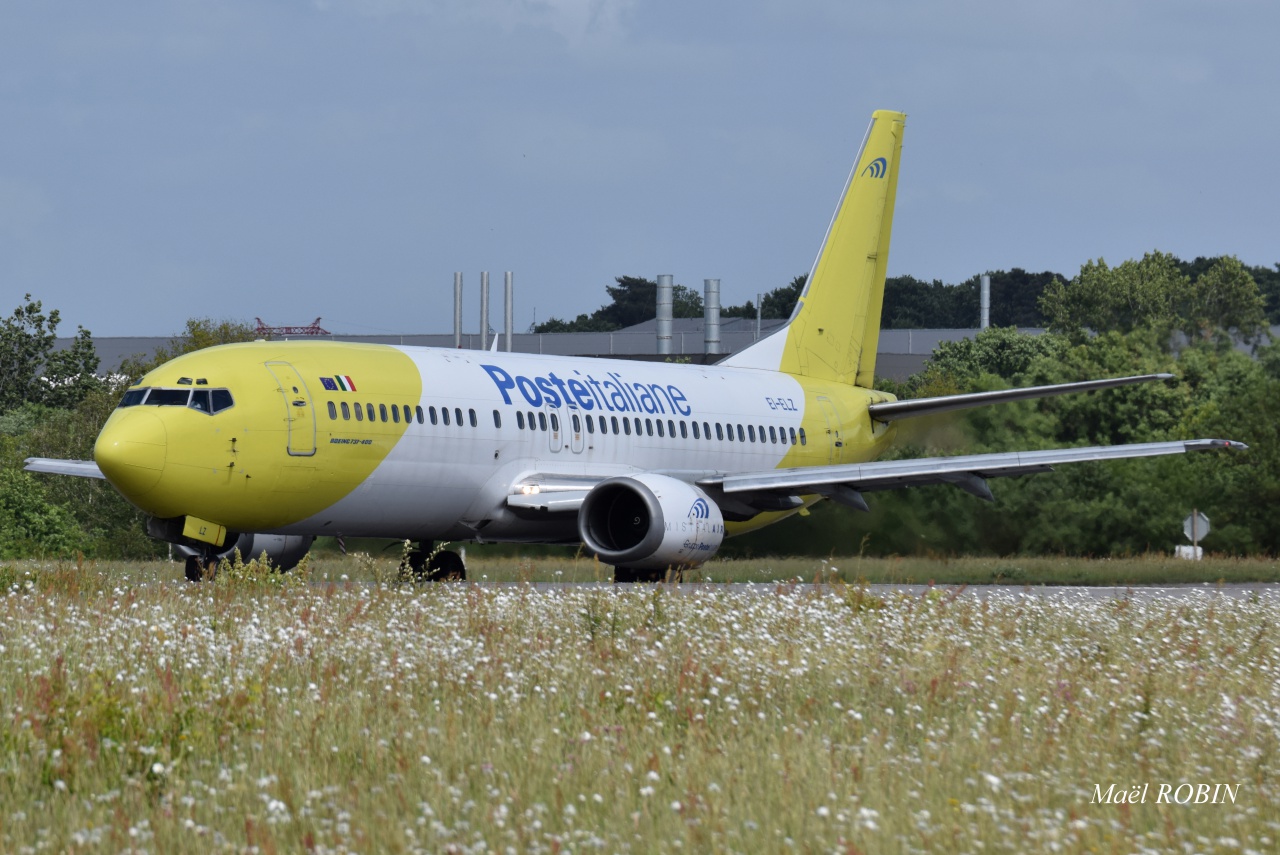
78 468
846 482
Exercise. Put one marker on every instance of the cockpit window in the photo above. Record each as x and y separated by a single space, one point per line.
205 400
168 397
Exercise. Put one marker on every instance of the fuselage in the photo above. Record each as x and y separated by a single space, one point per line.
325 438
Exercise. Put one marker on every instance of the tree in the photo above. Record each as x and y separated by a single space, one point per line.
1156 293
774 305
31 371
198 334
1225 298
1134 294
635 301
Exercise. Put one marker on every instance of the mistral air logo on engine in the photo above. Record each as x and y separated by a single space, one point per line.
585 392
702 532
700 510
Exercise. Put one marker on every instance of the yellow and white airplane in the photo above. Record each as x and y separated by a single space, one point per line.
266 445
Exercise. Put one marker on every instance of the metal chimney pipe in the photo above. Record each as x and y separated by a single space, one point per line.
484 310
457 310
711 315
665 291
984 302
510 322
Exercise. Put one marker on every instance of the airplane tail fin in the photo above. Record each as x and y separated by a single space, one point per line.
835 328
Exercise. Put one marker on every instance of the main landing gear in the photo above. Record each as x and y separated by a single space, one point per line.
442 566
645 575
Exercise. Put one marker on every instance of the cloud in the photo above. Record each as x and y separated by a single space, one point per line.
581 23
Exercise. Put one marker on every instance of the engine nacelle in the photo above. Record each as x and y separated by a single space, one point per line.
284 550
650 522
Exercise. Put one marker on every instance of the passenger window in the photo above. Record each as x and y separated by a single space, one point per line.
577 424
382 411
659 426
457 416
444 416
773 435
418 411
369 409
346 412
615 425
639 427
626 425
497 419
408 414
695 431
591 427
803 441
359 413
431 411
751 432
395 414
793 435
719 432
333 409
671 428
200 401
741 436
555 422
706 430
542 421
474 421
520 419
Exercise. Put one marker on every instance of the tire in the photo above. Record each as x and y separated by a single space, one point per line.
447 567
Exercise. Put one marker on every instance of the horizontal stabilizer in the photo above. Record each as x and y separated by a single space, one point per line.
78 468
965 471
891 410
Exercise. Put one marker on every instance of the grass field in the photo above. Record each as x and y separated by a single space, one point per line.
1151 569
288 715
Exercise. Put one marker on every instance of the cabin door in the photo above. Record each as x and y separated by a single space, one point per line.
300 417
835 439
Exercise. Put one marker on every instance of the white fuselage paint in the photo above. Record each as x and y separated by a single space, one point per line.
435 470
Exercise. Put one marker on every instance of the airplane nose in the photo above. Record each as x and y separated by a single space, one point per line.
130 451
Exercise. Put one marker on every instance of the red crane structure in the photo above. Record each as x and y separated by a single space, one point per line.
312 328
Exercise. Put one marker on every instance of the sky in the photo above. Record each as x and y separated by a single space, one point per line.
162 160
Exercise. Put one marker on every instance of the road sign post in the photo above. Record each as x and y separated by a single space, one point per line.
1195 526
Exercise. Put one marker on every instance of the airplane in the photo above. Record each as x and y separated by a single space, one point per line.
263 446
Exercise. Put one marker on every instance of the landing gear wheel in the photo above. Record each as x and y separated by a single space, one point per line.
447 567
200 567
635 574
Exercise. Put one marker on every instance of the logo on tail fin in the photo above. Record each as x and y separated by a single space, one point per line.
876 168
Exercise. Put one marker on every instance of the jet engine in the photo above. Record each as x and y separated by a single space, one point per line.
650 522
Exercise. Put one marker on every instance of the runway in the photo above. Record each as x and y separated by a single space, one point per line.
1137 593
